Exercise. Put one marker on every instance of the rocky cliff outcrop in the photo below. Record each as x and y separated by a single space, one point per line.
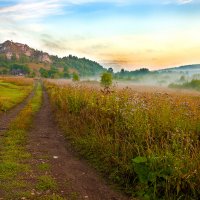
14 50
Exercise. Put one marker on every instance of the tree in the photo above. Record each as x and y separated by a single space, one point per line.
75 77
52 72
14 58
182 79
32 74
66 73
4 71
44 73
24 59
18 68
122 71
106 79
110 70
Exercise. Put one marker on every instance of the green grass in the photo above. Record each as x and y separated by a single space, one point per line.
12 94
13 153
44 166
45 183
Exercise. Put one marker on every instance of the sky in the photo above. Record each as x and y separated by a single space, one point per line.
127 34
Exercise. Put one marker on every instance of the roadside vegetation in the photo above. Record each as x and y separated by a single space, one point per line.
147 143
13 91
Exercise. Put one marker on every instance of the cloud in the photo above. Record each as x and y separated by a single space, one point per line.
31 9
38 9
185 1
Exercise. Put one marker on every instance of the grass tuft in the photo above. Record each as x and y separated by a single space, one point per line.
44 166
45 183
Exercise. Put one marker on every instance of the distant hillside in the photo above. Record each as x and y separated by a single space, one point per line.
83 66
15 57
195 67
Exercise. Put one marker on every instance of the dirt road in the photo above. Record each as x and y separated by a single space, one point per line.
75 178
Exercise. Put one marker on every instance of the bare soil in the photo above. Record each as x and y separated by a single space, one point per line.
75 177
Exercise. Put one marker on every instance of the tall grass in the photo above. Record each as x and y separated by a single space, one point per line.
148 143
17 80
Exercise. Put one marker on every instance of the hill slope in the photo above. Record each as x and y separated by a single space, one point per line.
195 67
12 53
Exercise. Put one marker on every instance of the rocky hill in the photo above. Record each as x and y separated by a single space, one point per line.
17 53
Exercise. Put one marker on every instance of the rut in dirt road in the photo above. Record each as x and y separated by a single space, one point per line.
75 178
8 116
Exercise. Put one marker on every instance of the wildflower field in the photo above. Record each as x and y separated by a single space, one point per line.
13 91
147 143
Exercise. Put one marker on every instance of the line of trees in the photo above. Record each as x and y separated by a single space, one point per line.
16 69
124 74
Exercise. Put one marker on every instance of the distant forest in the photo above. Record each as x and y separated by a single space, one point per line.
59 68
62 68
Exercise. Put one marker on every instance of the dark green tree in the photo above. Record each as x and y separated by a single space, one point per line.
110 70
44 73
66 73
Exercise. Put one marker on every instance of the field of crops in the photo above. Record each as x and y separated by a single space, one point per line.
13 91
146 142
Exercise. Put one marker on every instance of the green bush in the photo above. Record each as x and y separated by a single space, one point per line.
75 77
106 79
